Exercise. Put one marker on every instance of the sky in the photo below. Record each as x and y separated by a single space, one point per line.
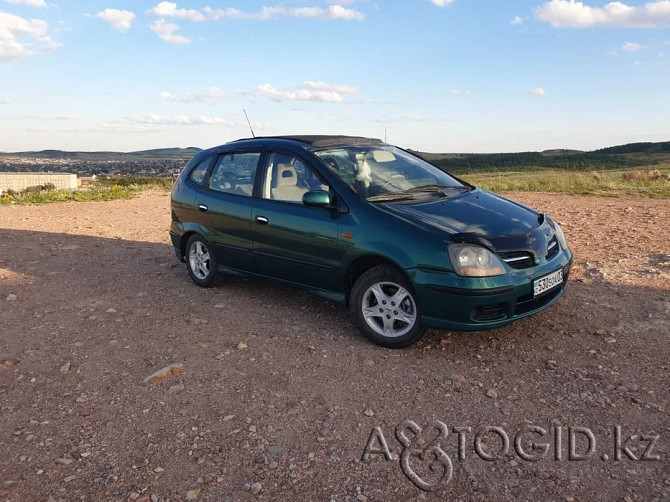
432 75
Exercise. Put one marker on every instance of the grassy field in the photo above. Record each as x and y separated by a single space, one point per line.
652 182
108 189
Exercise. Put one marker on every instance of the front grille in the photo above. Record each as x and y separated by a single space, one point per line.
518 259
528 303
552 248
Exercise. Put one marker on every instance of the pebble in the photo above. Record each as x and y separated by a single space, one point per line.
64 461
255 488
171 369
368 412
10 297
275 448
65 368
192 494
492 394
177 388
242 346
159 469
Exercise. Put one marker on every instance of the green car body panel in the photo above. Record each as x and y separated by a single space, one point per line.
323 245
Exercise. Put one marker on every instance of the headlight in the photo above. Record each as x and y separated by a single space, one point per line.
474 261
560 236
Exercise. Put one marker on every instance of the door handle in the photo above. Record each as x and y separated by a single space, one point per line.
203 208
262 220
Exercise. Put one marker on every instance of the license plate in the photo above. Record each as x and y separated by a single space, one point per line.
547 282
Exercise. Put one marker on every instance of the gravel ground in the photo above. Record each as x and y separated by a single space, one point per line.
279 398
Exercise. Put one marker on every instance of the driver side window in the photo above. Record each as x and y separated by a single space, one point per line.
288 178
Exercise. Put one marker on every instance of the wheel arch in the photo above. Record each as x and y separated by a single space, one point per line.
183 239
361 265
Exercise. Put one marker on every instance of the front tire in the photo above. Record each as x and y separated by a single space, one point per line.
201 261
384 308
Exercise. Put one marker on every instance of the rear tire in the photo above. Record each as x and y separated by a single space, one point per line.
201 261
384 308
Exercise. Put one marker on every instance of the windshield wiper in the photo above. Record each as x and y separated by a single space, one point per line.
390 197
436 189
408 194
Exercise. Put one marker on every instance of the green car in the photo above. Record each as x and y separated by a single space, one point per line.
405 245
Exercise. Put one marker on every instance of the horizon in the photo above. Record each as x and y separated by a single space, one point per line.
144 150
430 75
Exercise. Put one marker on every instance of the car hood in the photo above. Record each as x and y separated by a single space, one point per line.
479 217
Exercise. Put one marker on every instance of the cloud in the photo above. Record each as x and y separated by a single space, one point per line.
308 91
441 3
323 86
573 14
516 20
14 30
40 4
169 9
460 92
537 91
166 31
208 95
120 20
267 13
147 122
631 47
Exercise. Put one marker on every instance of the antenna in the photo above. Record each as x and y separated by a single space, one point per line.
247 116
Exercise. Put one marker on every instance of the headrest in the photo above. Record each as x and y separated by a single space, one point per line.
286 175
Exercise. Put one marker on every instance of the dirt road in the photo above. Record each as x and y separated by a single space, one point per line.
92 301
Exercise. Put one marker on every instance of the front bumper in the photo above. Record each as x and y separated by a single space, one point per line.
448 301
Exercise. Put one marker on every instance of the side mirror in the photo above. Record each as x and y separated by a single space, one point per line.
317 198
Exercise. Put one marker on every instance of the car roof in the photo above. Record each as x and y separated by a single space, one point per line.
317 140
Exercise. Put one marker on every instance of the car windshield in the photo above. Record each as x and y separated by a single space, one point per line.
382 173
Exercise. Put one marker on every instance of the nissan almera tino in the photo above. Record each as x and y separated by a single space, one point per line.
405 245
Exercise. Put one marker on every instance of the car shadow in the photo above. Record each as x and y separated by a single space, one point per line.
85 269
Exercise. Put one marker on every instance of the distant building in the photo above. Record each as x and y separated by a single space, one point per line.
21 181
83 181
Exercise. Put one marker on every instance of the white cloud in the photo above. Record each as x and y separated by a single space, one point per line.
573 14
308 91
323 86
537 91
169 9
208 95
120 20
148 122
460 92
40 4
631 47
441 3
266 13
516 20
166 31
14 30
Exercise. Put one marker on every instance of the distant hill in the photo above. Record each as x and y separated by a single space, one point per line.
649 148
623 156
159 153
